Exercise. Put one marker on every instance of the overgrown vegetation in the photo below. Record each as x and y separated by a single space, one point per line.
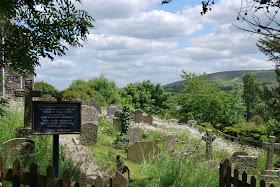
82 92
12 119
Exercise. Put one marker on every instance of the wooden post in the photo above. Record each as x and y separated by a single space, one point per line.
98 182
253 182
50 177
235 179
83 180
262 183
228 177
66 178
244 179
16 173
223 169
1 171
33 175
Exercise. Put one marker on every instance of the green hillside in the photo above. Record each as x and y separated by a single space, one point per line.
226 79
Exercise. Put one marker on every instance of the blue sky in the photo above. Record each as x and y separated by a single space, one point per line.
142 39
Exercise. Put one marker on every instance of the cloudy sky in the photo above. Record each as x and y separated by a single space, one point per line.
136 40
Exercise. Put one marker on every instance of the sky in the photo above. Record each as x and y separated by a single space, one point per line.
136 40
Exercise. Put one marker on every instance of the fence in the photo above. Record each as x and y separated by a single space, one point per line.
233 138
225 178
32 178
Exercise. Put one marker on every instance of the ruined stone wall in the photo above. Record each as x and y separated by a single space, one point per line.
13 81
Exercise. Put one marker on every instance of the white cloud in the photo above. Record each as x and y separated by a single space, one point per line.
103 9
153 24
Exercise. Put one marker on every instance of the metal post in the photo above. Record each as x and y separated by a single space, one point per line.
56 154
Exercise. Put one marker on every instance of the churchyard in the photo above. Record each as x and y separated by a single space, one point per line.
161 153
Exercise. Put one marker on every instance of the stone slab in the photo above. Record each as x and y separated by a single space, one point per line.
140 151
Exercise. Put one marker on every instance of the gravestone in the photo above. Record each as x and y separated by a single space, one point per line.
46 97
140 151
117 123
169 143
270 146
135 135
89 114
235 154
173 122
28 93
119 180
95 105
83 102
186 148
18 146
111 111
137 114
89 132
249 164
209 137
119 107
192 123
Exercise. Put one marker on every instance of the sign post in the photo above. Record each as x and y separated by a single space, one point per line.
54 118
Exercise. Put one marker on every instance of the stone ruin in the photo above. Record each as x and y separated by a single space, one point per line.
12 81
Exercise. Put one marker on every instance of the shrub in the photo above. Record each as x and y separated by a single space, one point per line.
46 89
82 92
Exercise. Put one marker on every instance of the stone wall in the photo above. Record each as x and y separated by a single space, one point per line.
13 81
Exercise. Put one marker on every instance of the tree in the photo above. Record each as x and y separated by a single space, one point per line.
208 104
32 29
251 93
106 88
147 96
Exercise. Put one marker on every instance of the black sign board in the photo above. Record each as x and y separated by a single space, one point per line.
56 117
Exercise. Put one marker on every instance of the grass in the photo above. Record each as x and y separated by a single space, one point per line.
12 119
170 169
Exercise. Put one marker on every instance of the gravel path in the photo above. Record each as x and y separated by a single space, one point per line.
81 155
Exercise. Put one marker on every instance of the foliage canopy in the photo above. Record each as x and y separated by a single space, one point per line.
39 28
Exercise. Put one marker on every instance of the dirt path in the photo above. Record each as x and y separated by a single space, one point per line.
81 155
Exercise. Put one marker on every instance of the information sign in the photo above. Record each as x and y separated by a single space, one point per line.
56 117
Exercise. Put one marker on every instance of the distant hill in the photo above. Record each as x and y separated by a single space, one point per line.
226 79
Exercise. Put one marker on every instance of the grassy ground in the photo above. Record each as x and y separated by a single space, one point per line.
170 169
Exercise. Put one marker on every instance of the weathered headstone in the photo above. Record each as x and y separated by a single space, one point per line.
111 111
186 148
173 122
270 146
137 114
18 146
89 114
249 164
28 93
46 97
235 154
169 143
140 151
117 123
95 105
192 123
119 180
135 135
81 100
89 132
119 107
209 137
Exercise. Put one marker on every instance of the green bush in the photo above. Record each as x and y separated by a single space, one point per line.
82 92
46 89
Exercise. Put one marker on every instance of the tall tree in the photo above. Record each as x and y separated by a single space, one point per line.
32 29
251 93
